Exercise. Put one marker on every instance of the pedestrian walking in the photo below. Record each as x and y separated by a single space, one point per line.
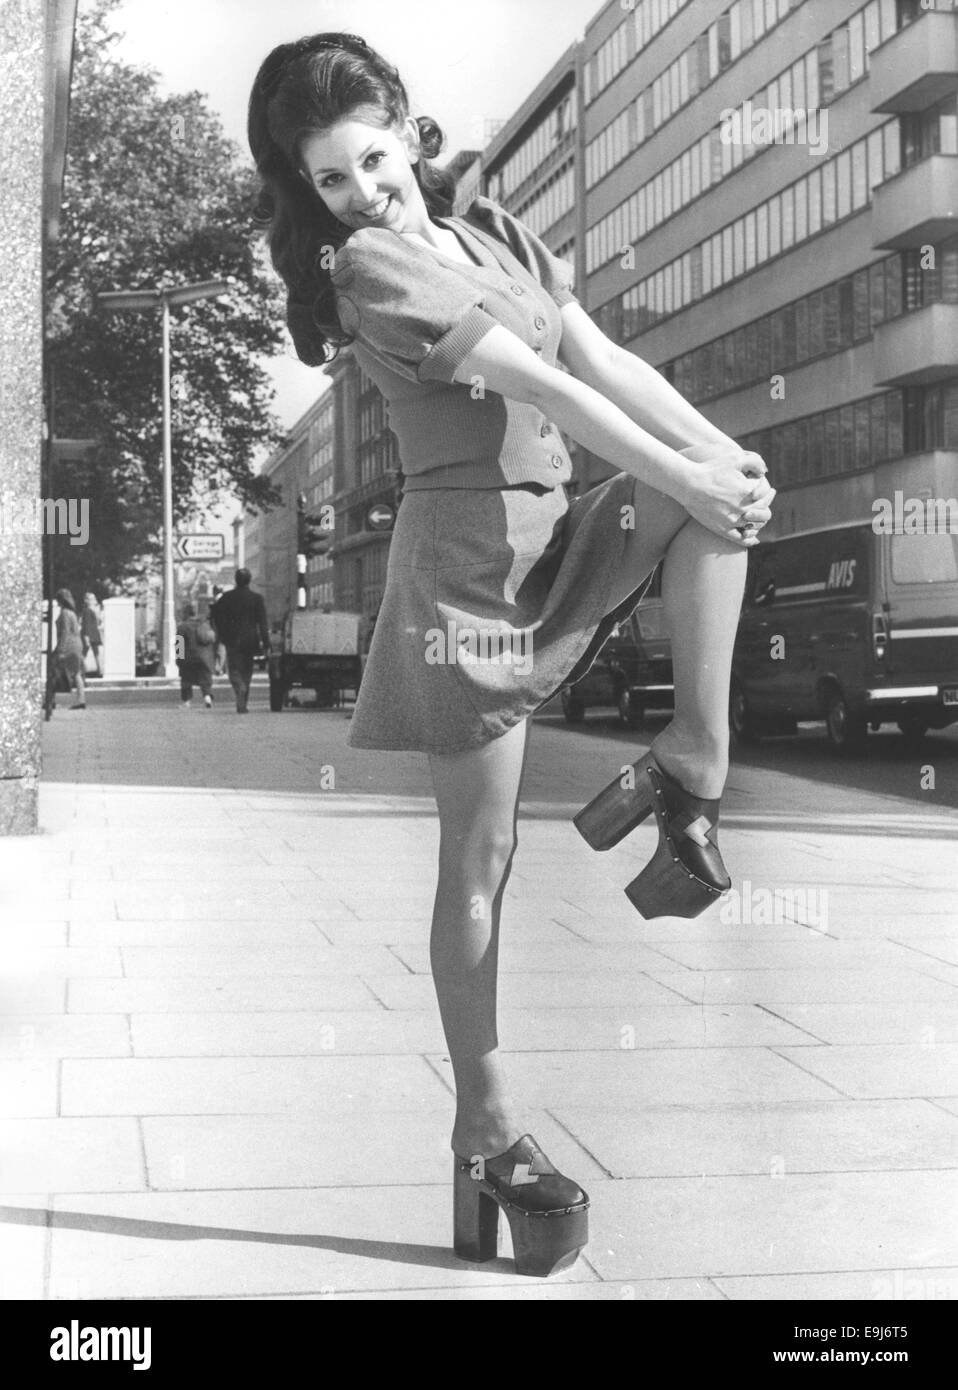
219 664
91 620
499 588
239 620
196 646
68 655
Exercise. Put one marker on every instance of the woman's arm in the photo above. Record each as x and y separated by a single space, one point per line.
716 493
633 385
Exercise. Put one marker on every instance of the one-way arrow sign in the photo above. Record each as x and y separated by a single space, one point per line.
199 546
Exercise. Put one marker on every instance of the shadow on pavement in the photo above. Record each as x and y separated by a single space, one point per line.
432 1256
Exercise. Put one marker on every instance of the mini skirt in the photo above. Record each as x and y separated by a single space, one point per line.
494 599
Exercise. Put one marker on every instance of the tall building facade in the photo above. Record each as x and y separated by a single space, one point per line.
533 168
318 490
366 488
304 465
771 204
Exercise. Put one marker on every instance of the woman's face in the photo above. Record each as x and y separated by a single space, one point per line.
365 175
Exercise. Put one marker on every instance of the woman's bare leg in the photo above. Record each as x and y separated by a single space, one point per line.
477 794
79 686
703 580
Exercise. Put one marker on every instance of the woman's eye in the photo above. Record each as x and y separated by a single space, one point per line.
377 155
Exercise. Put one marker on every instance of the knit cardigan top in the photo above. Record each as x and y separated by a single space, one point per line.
414 315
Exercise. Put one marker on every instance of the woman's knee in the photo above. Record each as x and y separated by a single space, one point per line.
479 849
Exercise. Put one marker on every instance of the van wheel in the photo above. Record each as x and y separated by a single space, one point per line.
631 709
572 706
847 730
913 730
740 720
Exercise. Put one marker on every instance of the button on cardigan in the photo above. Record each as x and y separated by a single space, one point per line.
414 316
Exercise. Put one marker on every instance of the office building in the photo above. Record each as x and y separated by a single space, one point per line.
771 195
302 465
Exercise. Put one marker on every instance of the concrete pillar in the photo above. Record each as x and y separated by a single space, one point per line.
21 408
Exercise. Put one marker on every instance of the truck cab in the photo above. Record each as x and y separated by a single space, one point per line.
318 651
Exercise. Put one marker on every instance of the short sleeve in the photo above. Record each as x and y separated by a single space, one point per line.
556 275
420 317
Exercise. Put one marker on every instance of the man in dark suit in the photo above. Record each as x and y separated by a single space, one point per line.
239 620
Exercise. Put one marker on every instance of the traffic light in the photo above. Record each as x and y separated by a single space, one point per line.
313 534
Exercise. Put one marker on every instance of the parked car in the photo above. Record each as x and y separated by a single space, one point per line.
632 672
317 651
851 627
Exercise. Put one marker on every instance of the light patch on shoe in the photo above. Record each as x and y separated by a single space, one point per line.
697 830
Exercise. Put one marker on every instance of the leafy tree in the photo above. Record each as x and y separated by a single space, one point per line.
154 194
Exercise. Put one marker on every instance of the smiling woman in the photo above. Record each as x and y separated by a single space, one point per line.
461 323
330 130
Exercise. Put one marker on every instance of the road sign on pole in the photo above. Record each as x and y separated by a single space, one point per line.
380 517
199 545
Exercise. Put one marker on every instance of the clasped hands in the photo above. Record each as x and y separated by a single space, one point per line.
729 492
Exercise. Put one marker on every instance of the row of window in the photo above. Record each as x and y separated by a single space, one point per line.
372 414
859 434
829 193
694 69
316 564
377 455
320 595
321 426
835 317
322 491
551 202
322 456
636 30
807 85
930 132
531 153
355 592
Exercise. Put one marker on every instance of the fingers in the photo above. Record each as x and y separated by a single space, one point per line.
746 539
753 510
752 465
760 491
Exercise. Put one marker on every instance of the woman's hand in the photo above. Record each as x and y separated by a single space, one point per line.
728 493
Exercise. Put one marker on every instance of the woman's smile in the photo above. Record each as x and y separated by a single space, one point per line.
377 210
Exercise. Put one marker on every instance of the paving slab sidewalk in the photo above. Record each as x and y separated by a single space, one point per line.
222 1073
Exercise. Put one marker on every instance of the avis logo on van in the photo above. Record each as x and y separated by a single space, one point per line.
841 574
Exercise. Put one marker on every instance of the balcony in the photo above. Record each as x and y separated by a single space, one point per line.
917 348
918 206
373 490
916 67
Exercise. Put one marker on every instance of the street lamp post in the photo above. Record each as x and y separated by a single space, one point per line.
163 298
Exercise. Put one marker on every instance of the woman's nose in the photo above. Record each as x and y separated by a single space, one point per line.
365 190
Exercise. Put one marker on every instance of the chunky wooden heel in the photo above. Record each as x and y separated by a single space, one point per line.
685 874
548 1214
475 1217
617 810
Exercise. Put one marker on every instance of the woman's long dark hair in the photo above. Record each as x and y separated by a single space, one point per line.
302 89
